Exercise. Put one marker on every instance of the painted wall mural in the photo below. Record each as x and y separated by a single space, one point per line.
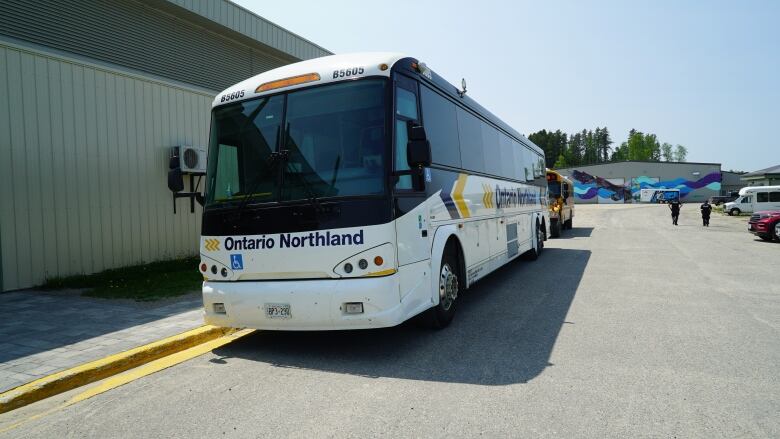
587 187
590 188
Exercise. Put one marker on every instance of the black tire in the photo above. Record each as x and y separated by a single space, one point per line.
569 223
765 237
777 232
534 253
442 314
734 212
555 229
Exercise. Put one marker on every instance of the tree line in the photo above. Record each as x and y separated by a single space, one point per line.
589 147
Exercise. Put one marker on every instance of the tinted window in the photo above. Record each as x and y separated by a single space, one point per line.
491 149
762 197
519 168
774 197
529 158
441 127
401 164
746 200
406 103
336 138
243 135
470 132
507 149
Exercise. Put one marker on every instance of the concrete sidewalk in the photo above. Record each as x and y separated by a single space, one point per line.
45 332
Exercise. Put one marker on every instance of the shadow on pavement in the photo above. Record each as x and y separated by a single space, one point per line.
504 332
576 232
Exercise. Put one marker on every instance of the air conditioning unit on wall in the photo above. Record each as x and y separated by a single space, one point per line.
192 159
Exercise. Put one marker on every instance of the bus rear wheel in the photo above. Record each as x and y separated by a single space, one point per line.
536 250
441 315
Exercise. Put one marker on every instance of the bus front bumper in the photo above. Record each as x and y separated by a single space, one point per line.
313 304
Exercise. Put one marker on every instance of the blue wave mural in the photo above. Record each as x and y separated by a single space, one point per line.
587 186
710 181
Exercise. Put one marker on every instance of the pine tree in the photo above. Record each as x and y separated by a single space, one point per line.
666 152
681 153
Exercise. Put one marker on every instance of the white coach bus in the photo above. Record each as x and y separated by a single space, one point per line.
357 191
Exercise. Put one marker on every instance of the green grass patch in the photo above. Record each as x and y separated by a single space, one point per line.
146 282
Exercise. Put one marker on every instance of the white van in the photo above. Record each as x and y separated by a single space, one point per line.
754 199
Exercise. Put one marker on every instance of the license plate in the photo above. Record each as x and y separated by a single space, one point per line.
277 310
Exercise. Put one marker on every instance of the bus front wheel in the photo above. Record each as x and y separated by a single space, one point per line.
441 315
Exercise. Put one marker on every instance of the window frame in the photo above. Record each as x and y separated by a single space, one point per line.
408 84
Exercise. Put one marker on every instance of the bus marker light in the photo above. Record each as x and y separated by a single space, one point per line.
383 67
353 308
204 267
224 272
219 308
363 264
378 260
348 268
286 82
214 269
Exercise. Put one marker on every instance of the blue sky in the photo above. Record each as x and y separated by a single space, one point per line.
702 74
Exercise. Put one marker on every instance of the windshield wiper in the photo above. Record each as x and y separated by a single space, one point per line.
307 186
274 159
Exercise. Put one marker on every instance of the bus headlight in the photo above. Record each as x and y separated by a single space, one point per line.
358 265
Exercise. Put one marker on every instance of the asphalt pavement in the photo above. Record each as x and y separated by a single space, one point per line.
627 326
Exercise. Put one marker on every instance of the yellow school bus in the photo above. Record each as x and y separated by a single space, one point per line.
561 193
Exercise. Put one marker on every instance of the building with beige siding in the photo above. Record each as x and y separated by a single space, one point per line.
93 94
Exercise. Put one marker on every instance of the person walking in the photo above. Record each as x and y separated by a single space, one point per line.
706 209
674 206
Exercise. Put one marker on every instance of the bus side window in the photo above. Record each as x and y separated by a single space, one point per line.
405 110
441 126
471 147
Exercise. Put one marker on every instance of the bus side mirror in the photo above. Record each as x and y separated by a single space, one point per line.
418 149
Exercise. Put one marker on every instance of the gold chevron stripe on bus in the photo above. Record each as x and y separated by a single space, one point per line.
457 195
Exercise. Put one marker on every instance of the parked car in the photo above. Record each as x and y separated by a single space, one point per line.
720 199
765 225
754 199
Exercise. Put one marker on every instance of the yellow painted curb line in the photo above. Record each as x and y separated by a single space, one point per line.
136 373
105 367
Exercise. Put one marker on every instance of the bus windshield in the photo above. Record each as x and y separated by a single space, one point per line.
334 144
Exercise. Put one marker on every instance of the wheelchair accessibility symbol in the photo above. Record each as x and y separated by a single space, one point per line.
236 262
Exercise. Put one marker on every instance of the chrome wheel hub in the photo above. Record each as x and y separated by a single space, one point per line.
448 287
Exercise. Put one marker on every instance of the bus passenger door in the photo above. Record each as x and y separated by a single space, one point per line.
411 210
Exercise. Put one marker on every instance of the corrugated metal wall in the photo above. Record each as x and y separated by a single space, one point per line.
136 35
240 20
83 164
